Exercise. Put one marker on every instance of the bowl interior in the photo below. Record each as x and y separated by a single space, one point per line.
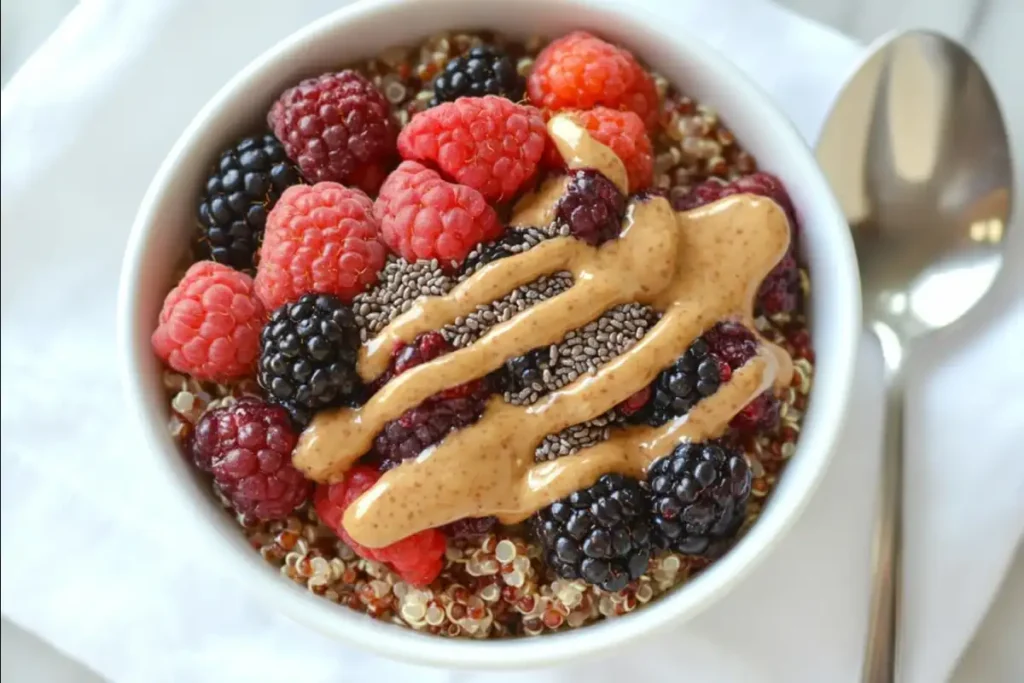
166 219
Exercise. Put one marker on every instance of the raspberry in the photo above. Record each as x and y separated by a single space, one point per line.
760 415
579 71
780 292
427 424
418 559
248 448
625 134
760 183
470 527
437 416
732 342
592 207
632 405
485 70
321 238
336 127
424 217
487 143
210 323
424 349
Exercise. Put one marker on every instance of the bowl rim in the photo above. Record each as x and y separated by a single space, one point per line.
406 644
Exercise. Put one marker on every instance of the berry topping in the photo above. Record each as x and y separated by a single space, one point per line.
417 559
247 181
780 292
321 238
336 127
470 527
579 71
632 405
428 423
487 143
248 448
679 387
732 342
308 355
424 217
698 498
759 416
625 134
425 348
592 207
485 70
209 325
600 534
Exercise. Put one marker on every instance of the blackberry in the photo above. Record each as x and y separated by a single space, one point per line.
308 356
525 372
600 534
780 292
732 342
592 207
485 70
514 241
301 416
699 498
247 181
679 387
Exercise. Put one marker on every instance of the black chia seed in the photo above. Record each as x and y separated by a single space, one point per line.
466 330
575 438
400 284
586 349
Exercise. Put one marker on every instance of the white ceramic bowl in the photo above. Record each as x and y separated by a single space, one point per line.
165 221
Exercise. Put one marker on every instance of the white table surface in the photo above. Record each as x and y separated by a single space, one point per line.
990 27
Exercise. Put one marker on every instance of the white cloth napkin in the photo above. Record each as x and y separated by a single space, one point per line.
96 559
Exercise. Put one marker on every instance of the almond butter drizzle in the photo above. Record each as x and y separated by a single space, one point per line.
697 268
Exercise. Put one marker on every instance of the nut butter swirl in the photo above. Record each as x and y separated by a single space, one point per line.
697 267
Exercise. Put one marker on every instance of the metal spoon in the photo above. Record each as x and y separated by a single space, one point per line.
916 151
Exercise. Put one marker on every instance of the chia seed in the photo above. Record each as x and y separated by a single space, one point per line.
467 329
586 349
575 438
514 241
400 284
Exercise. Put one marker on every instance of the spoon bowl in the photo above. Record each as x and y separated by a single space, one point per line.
917 152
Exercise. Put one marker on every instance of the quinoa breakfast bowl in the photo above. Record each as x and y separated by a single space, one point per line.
489 335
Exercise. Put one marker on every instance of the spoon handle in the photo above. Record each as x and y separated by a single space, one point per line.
880 658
